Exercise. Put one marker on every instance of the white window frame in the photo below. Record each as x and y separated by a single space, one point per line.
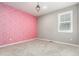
71 14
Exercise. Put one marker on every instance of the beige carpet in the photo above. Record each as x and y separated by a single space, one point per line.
39 48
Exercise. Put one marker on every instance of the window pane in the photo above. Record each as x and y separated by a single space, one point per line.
65 17
65 26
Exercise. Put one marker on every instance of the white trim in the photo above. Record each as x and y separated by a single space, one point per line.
71 13
17 42
59 42
38 39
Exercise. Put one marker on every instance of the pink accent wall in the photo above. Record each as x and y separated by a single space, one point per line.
16 25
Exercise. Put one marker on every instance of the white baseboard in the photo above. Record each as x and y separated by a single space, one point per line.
38 39
59 42
17 42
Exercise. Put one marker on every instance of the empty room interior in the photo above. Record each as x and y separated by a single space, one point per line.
39 29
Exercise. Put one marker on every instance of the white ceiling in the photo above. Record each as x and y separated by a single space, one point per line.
46 7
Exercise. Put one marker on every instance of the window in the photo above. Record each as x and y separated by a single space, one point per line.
65 22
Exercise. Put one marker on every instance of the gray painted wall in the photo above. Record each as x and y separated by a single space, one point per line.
48 26
78 21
